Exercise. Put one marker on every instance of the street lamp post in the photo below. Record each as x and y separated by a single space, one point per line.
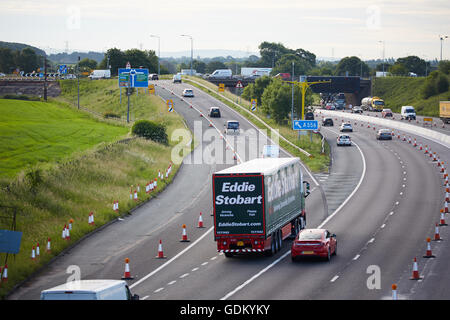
192 46
383 54
442 38
159 51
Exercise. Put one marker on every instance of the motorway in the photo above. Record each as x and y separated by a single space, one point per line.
382 199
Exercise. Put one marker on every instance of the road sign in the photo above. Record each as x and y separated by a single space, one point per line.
239 85
169 105
305 125
151 88
221 87
10 241
63 69
253 102
134 78
128 65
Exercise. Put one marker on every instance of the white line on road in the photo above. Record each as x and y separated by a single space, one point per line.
172 282
184 275
204 263
334 279
171 260
195 269
158 290
356 257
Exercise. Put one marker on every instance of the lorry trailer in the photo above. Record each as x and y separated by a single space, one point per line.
257 204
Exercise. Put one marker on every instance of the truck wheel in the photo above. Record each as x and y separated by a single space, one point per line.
280 239
277 241
271 251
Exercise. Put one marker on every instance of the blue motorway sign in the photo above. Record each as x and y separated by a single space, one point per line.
134 78
63 69
10 241
305 125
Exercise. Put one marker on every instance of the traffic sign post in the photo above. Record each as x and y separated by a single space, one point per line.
254 104
239 87
305 125
169 105
221 87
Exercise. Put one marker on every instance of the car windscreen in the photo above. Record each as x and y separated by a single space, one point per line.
379 103
310 236
409 111
233 125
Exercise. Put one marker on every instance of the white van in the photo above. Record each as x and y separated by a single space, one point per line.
90 290
221 74
408 113
100 74
176 78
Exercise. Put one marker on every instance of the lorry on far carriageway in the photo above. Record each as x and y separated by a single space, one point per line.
257 204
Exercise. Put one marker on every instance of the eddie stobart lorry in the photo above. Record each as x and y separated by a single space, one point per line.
257 204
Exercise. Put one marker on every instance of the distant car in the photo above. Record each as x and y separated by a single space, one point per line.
232 127
2 75
283 76
386 113
153 76
384 134
314 242
346 127
343 140
214 112
327 122
330 106
357 109
69 76
309 115
188 93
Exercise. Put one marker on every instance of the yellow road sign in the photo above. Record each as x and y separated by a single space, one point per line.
221 87
151 88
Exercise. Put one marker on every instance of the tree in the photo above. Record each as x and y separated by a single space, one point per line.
88 64
353 66
214 65
199 66
413 64
27 60
284 65
271 52
256 90
6 60
444 66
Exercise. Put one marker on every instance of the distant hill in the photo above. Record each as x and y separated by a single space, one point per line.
19 46
71 58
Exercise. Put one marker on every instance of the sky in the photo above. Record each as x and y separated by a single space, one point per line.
327 28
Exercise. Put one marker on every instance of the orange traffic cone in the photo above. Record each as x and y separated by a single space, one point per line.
49 247
184 237
5 273
127 274
437 236
447 197
394 292
442 221
446 207
160 251
33 254
415 273
200 221
428 254
38 251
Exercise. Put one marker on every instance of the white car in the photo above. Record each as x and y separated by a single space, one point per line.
344 140
188 93
2 75
346 127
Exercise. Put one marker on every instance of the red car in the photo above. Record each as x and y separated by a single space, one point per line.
314 242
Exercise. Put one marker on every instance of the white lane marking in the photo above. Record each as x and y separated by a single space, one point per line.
371 240
213 258
334 279
320 226
383 225
391 213
356 257
195 269
397 203
172 282
171 260
401 193
158 290
184 275
205 263
144 298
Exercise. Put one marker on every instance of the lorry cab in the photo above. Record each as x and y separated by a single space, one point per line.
232 127
90 290
408 113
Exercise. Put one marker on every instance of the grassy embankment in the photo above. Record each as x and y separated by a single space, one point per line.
58 164
407 91
317 163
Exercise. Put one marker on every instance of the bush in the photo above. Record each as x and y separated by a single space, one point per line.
111 114
150 130
442 83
